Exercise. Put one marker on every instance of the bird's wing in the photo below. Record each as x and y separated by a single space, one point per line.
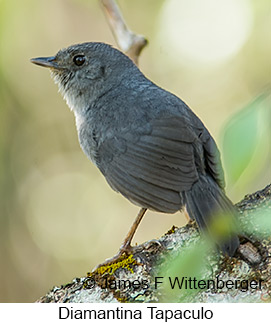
152 167
212 160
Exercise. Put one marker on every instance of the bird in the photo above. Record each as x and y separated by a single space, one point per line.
148 144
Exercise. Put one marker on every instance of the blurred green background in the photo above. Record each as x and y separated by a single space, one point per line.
58 216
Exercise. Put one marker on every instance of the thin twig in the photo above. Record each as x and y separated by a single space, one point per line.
129 42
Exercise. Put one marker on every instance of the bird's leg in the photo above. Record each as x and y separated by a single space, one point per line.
126 245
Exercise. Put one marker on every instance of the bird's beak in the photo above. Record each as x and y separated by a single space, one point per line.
46 62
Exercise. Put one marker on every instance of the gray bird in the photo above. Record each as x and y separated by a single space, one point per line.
147 142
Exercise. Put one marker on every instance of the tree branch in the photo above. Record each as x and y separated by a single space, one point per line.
129 42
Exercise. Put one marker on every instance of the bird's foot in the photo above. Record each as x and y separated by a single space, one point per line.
123 256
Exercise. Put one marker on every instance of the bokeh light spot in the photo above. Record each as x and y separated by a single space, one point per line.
208 31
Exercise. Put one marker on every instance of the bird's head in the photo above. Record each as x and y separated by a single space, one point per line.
86 71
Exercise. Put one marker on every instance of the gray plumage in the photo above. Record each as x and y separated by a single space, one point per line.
147 142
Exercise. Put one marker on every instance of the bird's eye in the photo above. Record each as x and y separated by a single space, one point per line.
79 60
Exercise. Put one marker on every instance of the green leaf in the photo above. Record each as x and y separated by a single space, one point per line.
189 263
246 141
258 223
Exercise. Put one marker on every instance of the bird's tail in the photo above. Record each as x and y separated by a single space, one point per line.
214 213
